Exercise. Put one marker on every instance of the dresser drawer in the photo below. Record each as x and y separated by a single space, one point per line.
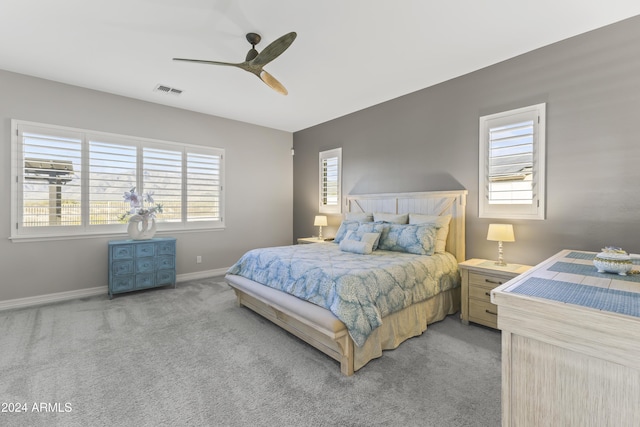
167 248
122 267
484 313
165 277
145 265
122 284
122 252
146 280
145 250
166 263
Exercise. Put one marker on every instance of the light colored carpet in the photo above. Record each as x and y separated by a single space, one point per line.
190 356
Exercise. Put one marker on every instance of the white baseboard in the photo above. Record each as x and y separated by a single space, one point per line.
49 298
91 292
201 274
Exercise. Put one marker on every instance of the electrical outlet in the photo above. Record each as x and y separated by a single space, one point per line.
198 259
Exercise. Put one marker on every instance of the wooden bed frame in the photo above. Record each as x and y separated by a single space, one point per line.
317 326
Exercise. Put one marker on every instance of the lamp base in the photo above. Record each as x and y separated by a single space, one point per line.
500 260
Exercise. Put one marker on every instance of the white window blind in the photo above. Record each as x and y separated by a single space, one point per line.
163 178
204 187
71 181
512 164
50 189
112 171
330 181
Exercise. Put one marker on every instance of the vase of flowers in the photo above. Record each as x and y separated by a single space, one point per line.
141 219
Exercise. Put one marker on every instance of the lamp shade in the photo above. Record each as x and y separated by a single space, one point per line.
320 221
501 233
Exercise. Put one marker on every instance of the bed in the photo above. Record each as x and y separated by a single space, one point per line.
355 338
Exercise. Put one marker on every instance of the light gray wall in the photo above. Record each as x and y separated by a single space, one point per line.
428 140
259 187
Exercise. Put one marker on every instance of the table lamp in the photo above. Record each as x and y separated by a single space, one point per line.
320 221
500 233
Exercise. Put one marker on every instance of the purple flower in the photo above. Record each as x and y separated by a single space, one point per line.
148 197
132 198
137 204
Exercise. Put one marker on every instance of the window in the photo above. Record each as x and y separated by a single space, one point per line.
331 181
512 164
71 182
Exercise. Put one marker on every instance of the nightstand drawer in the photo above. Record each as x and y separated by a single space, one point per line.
486 280
484 313
482 293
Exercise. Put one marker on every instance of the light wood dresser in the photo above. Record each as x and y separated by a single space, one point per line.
479 277
570 345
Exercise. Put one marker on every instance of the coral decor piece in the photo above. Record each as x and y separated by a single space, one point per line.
613 260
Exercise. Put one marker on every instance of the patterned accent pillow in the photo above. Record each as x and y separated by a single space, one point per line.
344 227
359 244
416 239
440 222
370 227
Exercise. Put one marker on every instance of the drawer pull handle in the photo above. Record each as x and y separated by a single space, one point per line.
493 282
491 312
487 294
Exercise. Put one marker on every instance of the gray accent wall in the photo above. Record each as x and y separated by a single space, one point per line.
428 140
258 188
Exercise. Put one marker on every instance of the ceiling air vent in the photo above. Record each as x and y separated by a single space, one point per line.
167 89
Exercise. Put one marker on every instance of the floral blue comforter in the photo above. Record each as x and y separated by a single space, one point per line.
358 289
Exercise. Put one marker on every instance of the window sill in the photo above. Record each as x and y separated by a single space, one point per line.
123 235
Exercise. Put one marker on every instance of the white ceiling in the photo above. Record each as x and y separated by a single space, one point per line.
349 55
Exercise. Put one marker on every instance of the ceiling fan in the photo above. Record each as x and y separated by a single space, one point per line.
254 62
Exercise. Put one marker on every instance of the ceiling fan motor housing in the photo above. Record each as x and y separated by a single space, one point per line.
253 38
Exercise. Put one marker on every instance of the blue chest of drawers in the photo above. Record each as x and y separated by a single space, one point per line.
141 264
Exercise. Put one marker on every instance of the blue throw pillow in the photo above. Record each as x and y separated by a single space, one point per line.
344 227
416 239
370 227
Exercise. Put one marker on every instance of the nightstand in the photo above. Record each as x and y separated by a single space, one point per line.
479 277
304 240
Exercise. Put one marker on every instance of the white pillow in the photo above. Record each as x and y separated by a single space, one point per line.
359 216
440 222
392 218
364 246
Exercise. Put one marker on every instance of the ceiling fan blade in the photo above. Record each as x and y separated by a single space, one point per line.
273 83
202 61
274 50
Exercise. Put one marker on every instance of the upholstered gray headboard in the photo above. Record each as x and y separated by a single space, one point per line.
427 203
